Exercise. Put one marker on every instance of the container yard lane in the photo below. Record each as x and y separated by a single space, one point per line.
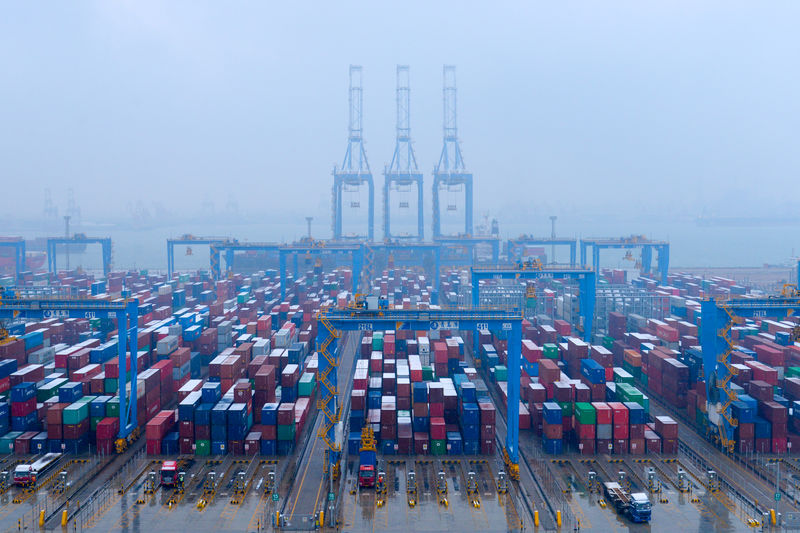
303 500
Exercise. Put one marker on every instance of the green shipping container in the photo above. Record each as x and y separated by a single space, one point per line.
608 343
75 413
501 373
550 351
286 432
622 376
112 407
566 408
306 385
438 447
793 372
202 447
377 341
110 385
94 420
585 413
427 373
7 441
50 389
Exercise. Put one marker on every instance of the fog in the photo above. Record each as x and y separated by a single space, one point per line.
644 114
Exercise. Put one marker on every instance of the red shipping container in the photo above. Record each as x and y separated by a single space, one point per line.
107 428
604 412
586 447
670 446
779 444
666 427
621 431
153 446
421 446
620 446
585 431
55 431
637 446
23 408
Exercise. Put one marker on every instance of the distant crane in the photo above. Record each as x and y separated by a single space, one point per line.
355 170
403 172
450 174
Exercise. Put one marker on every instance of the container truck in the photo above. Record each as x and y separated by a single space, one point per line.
367 459
27 474
635 506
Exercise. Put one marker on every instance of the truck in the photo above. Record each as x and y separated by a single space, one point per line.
27 474
169 473
367 459
635 506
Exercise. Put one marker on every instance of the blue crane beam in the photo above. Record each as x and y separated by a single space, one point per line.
515 246
104 242
18 243
126 311
587 280
647 247
472 320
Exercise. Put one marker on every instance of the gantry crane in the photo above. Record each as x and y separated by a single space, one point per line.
403 173
126 312
79 238
586 278
355 170
630 243
450 174
188 240
372 317
719 316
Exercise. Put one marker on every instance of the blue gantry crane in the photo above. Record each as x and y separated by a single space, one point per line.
187 240
18 243
230 247
515 248
355 170
126 312
470 245
587 281
450 175
629 243
403 174
371 317
319 248
718 317
78 238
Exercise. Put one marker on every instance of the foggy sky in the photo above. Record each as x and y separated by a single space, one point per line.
636 107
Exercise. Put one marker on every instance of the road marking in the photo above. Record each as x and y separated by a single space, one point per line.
308 464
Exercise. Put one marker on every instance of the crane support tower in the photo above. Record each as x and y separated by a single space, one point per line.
354 171
18 243
450 174
402 174
188 240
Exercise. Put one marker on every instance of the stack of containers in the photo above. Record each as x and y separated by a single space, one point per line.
552 428
23 407
269 429
157 429
605 426
585 427
621 431
286 429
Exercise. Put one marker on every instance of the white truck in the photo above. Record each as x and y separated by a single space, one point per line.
27 474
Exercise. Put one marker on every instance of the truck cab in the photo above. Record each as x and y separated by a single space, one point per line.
24 475
366 476
169 473
640 508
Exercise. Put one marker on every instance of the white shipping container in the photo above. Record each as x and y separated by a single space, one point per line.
167 345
